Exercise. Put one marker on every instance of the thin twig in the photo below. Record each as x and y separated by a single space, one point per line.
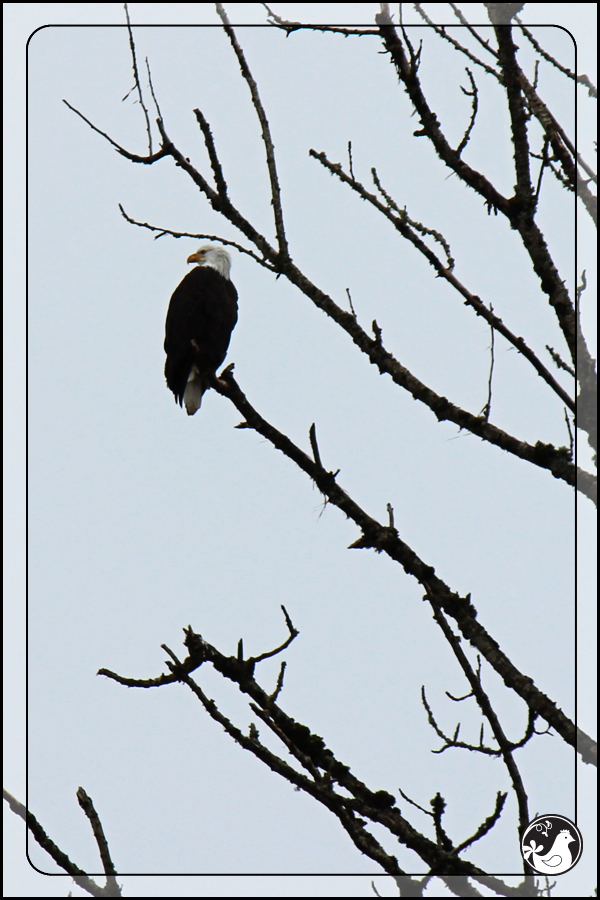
560 363
266 136
487 825
412 803
441 31
390 512
292 636
581 79
418 226
87 805
315 447
350 302
158 112
279 685
571 436
469 27
137 79
290 27
474 107
544 164
351 170
212 153
200 237
133 157
487 409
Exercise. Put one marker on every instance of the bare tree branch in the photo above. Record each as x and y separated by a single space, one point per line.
506 748
544 455
441 31
290 27
387 540
471 30
137 80
401 223
111 889
201 237
580 79
518 215
324 770
133 157
87 805
212 152
474 107
266 136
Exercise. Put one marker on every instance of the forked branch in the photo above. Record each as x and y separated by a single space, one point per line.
386 539
111 888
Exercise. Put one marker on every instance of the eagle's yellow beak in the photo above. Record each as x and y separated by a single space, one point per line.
195 257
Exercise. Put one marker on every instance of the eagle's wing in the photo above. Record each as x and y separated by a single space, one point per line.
201 316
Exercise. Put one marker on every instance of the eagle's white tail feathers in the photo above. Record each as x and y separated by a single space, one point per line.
194 391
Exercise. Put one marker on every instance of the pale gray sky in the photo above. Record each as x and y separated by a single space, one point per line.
142 520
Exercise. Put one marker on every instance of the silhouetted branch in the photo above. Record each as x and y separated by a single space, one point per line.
87 805
402 213
544 156
212 153
384 539
438 808
111 889
133 157
441 31
544 455
293 634
463 21
149 73
507 52
403 224
137 80
516 209
474 107
483 701
323 769
571 435
580 79
196 236
279 685
486 826
453 741
266 136
290 27
560 363
487 409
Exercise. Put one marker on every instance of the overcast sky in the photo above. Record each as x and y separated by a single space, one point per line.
142 520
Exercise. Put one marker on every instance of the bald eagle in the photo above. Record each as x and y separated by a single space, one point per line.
202 314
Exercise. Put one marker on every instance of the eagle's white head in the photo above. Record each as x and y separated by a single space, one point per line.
214 256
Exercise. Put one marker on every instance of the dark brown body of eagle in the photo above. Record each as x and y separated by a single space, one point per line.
201 316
